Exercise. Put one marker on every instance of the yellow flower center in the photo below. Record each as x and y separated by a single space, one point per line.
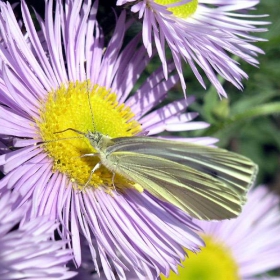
68 107
215 261
182 11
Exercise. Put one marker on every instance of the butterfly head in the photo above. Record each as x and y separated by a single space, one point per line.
99 141
94 138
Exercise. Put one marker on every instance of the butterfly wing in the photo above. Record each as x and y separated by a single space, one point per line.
197 193
233 170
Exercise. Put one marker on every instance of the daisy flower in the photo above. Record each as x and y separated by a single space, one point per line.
231 246
243 248
64 76
203 33
27 251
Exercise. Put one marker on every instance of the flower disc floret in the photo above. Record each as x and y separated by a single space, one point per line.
215 261
182 10
75 107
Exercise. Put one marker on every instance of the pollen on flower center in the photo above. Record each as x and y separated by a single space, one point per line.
182 11
68 107
215 261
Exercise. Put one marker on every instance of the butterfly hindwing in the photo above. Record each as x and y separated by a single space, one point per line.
234 170
199 194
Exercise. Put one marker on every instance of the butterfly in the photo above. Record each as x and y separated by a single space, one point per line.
207 183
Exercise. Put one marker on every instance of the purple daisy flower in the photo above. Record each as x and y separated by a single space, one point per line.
231 246
247 247
48 79
203 33
27 251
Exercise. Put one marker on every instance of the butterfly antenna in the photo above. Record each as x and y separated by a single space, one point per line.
55 140
72 129
66 138
91 111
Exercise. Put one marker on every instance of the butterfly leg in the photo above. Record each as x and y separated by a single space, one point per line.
113 180
114 174
91 173
90 155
